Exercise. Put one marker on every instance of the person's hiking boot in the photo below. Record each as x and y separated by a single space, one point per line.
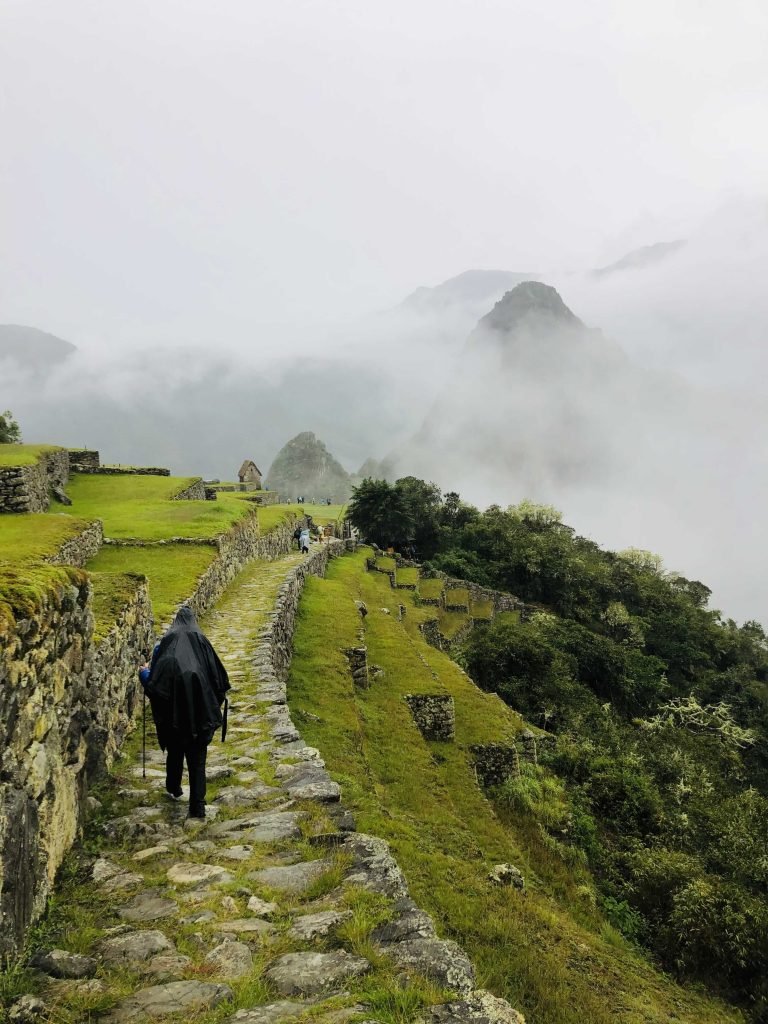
197 812
174 794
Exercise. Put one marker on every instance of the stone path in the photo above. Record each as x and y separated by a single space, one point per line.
272 908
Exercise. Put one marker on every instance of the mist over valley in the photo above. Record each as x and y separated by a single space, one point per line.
608 397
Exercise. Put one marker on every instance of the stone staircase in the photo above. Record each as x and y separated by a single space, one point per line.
270 910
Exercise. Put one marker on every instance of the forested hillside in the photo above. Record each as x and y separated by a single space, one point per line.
659 704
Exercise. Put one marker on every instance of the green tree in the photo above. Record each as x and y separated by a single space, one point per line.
10 432
424 502
381 513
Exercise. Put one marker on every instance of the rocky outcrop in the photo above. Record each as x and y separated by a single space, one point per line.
305 467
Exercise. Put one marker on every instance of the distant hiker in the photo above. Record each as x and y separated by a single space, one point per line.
304 541
186 685
297 537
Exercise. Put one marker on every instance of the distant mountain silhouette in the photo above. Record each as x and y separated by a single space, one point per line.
637 259
538 397
305 467
470 288
31 347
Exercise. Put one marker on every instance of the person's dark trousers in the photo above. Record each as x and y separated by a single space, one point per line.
194 751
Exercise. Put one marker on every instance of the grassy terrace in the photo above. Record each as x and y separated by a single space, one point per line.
141 507
23 586
407 577
325 513
23 454
549 951
479 609
111 592
451 623
131 507
431 590
386 563
172 571
457 596
33 536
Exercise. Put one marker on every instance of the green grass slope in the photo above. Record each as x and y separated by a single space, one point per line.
32 536
142 507
23 454
548 951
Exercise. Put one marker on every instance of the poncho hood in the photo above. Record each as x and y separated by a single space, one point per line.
188 683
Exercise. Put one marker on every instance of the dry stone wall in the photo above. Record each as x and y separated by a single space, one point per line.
81 460
195 492
276 641
81 548
27 488
410 938
125 470
434 715
65 705
237 547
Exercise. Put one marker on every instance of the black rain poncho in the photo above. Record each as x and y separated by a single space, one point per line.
187 684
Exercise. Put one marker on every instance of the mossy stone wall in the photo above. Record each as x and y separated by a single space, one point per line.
27 488
65 706
78 550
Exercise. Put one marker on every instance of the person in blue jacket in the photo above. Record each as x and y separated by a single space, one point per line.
186 684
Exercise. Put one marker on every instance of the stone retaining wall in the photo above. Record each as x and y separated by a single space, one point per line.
65 705
195 492
125 470
81 460
27 488
80 549
410 940
502 601
238 546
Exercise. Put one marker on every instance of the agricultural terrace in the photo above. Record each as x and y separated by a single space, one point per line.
131 508
325 513
548 950
23 454
142 507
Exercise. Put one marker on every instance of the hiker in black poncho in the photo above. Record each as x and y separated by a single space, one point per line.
186 685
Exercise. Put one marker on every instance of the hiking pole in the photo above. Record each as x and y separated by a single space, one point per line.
144 738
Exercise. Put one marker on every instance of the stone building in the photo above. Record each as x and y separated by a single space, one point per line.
250 473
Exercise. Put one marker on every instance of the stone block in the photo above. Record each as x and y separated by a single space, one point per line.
434 715
495 762
358 665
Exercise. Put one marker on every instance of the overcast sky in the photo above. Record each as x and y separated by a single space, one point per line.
235 172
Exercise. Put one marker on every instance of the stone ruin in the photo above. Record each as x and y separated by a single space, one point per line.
358 663
434 715
495 763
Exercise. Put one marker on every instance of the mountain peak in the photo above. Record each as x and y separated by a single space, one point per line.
530 302
31 347
470 288
305 466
